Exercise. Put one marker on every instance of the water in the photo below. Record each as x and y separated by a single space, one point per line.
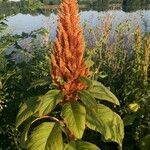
26 22
21 19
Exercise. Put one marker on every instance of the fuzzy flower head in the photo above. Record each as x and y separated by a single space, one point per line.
67 60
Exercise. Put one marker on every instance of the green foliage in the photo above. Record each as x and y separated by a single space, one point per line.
17 84
145 143
99 91
9 8
124 76
28 109
108 123
75 117
49 101
46 136
87 99
80 145
29 84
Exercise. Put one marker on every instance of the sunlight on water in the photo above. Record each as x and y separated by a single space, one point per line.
27 23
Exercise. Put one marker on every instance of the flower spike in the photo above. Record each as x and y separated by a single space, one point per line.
67 60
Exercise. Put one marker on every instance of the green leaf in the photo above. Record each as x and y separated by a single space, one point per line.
129 119
80 145
47 136
93 122
103 74
145 142
107 122
41 82
99 91
89 63
24 134
87 98
41 105
87 81
49 101
74 115
27 109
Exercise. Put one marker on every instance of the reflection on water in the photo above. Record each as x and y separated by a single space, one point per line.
26 17
27 23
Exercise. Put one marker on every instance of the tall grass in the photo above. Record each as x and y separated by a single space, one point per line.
114 49
142 53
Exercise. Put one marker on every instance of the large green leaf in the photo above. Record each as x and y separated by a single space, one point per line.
107 122
47 136
74 115
49 102
27 109
41 82
24 134
99 91
93 121
87 81
41 105
80 145
87 98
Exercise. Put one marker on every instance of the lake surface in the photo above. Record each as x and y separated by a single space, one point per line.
26 22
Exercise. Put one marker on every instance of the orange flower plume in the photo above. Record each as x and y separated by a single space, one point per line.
67 55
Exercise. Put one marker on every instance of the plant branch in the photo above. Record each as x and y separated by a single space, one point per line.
49 117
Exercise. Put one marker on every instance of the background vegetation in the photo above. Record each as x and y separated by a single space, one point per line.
121 62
